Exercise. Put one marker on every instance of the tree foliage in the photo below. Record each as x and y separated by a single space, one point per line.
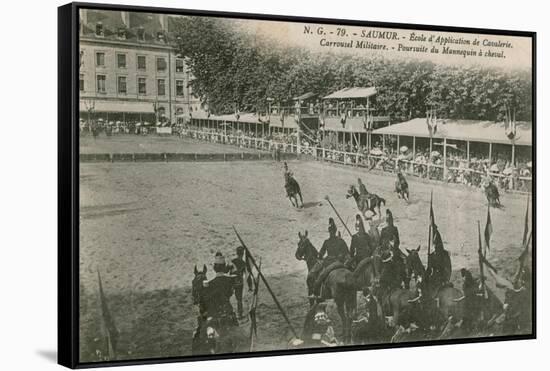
233 70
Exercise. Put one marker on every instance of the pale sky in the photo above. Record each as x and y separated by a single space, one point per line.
516 50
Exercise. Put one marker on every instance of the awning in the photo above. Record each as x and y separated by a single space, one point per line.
464 130
305 96
352 93
117 106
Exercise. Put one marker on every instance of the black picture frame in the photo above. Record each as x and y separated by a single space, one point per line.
68 181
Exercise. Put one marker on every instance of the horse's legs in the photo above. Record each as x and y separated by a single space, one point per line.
301 199
292 202
340 305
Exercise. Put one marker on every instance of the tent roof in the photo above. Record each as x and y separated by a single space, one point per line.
466 130
305 96
350 93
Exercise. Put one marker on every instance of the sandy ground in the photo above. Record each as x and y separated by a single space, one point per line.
152 143
145 225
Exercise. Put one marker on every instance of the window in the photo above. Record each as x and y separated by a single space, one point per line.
100 59
101 83
161 64
81 64
121 84
141 62
121 60
179 65
81 83
161 87
179 88
142 86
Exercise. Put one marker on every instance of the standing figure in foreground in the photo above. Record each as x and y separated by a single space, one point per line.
239 269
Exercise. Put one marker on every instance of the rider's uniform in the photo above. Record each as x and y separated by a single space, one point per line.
220 289
361 246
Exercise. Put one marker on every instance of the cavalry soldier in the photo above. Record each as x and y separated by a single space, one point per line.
363 193
286 172
238 270
334 247
439 263
336 251
472 298
390 277
219 290
361 246
389 236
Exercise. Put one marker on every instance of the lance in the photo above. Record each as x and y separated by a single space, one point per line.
266 284
252 311
338 215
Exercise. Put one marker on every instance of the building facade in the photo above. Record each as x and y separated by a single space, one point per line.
130 70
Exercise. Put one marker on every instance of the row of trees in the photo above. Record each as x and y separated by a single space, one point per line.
233 69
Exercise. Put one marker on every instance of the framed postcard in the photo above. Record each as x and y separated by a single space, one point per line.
239 185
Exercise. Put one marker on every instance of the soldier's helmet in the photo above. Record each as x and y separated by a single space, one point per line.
389 217
240 250
331 226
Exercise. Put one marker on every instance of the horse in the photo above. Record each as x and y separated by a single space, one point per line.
444 302
492 194
307 252
293 190
341 283
212 335
363 201
402 187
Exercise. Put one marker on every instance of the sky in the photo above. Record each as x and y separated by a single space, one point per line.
504 52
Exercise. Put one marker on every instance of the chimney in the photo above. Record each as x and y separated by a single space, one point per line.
163 22
83 20
141 33
125 18
99 29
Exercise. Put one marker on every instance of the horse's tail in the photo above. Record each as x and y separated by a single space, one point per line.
382 201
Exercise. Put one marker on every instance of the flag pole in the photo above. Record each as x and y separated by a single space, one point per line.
338 215
480 258
430 232
260 274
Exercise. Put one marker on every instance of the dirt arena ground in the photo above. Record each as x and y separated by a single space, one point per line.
145 225
151 144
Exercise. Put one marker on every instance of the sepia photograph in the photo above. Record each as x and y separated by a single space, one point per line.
261 185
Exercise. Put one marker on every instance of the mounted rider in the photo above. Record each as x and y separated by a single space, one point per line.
363 193
336 252
218 292
286 172
361 246
239 269
389 239
439 263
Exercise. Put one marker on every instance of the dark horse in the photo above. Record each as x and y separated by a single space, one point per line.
363 201
293 190
402 187
442 302
492 194
212 335
341 283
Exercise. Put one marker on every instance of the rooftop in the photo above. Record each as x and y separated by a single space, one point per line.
465 130
352 93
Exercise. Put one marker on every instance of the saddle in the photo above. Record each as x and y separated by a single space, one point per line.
319 284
